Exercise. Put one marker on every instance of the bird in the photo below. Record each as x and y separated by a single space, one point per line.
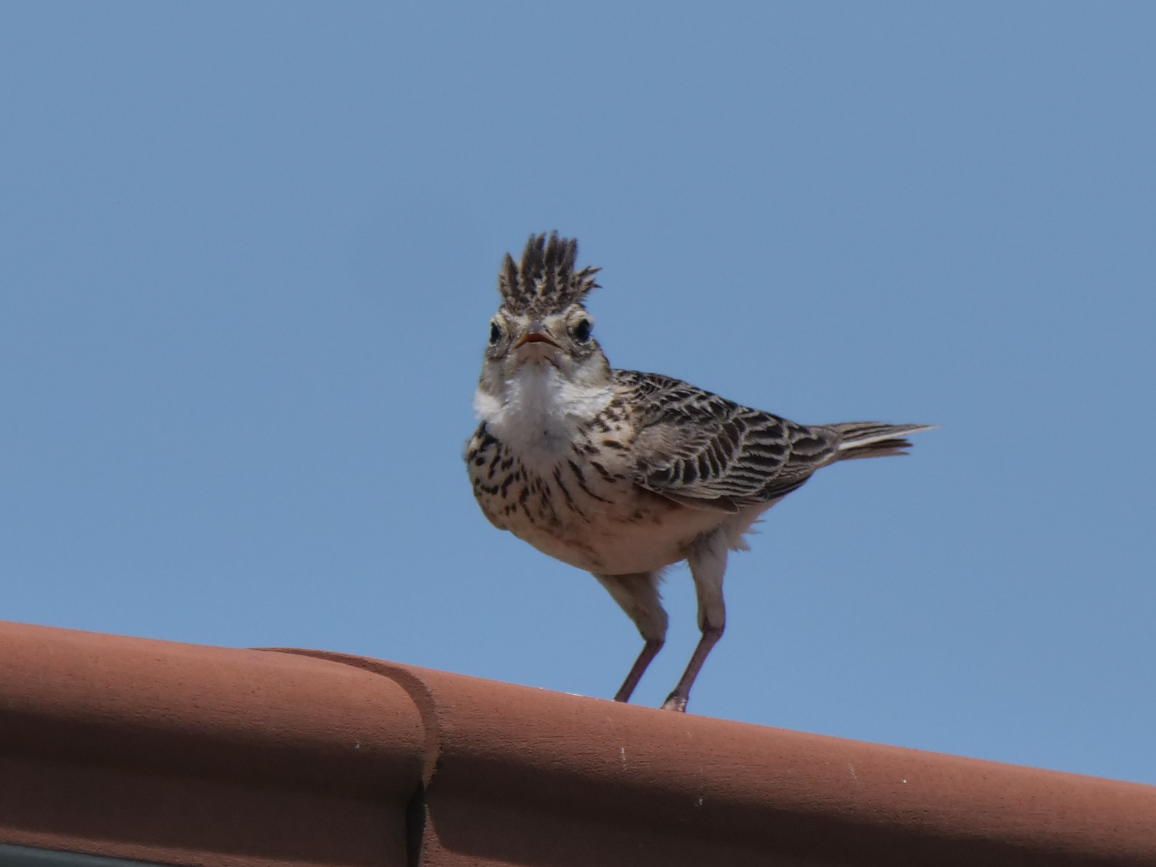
622 473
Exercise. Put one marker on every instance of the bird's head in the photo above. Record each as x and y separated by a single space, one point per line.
542 323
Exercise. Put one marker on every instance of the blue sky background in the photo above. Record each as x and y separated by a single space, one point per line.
248 256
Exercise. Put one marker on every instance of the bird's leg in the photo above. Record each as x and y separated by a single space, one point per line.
677 700
708 563
637 593
649 651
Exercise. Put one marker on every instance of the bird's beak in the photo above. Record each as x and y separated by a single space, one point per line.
536 337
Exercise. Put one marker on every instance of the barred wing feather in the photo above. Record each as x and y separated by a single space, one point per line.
695 446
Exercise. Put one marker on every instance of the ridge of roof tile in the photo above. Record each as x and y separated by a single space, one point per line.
183 754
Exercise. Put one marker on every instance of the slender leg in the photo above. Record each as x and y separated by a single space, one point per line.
637 594
677 700
649 651
708 563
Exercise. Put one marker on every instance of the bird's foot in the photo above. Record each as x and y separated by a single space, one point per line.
675 702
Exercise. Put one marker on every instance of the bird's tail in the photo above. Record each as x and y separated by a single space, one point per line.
874 439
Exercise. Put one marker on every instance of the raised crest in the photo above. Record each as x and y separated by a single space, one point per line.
545 281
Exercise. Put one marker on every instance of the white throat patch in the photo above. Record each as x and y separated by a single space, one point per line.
539 412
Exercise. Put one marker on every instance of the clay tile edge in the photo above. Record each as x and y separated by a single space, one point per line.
185 754
528 776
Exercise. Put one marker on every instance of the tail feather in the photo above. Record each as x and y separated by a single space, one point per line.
874 439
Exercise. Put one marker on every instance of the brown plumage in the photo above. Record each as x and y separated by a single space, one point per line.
625 473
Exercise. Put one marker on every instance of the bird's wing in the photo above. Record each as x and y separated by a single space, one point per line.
703 450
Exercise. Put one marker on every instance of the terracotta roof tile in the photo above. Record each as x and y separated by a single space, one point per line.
197 755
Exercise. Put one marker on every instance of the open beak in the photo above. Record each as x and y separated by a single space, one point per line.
535 337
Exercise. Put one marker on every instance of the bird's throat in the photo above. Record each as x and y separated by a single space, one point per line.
538 412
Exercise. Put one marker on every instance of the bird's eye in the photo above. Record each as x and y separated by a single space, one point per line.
495 334
582 330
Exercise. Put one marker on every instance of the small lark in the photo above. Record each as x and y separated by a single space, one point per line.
624 473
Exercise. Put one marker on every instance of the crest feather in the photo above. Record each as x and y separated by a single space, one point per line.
545 281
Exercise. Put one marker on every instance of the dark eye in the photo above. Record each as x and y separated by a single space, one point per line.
582 330
495 334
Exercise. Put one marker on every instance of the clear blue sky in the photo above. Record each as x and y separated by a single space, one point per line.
248 257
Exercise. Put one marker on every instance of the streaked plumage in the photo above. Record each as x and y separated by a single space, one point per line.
624 473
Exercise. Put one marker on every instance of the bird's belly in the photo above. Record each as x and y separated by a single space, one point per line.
638 532
585 511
